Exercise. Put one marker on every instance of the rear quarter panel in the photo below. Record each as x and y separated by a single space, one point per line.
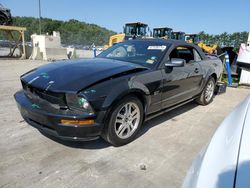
209 67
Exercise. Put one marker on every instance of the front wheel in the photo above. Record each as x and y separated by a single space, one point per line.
124 122
207 94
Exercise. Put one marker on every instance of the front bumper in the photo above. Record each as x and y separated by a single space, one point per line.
48 120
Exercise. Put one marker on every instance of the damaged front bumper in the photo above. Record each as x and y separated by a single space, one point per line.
48 120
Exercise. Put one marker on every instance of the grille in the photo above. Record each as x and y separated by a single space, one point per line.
51 97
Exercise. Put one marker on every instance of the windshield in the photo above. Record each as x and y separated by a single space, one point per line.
145 53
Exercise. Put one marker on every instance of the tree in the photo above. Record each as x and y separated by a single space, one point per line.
72 31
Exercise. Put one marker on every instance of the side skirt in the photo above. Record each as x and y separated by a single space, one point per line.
153 115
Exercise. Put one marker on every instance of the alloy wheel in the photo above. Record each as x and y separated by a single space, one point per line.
209 91
127 120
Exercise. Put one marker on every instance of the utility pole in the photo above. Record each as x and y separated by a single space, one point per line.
40 27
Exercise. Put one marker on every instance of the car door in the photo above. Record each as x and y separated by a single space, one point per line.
181 83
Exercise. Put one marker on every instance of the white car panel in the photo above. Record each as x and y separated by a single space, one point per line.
243 170
216 165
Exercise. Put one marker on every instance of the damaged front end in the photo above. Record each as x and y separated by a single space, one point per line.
67 99
68 116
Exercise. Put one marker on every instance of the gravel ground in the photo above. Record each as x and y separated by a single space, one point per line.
159 157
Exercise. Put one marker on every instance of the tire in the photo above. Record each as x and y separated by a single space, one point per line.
207 94
123 125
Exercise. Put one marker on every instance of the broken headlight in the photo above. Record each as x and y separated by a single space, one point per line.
78 102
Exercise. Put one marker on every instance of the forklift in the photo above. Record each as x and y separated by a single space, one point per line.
162 32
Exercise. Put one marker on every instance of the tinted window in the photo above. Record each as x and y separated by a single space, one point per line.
145 53
182 53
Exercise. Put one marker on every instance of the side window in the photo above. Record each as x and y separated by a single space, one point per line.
182 53
197 56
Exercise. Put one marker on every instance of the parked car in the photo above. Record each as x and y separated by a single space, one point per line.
111 95
7 44
225 162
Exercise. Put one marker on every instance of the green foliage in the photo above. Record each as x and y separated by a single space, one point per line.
76 32
225 39
72 31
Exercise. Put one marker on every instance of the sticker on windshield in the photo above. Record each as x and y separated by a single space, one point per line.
157 47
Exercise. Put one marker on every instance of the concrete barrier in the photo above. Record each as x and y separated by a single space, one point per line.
85 53
55 54
36 54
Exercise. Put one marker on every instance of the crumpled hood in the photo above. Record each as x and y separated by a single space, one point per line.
75 75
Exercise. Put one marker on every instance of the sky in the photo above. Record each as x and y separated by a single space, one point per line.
190 16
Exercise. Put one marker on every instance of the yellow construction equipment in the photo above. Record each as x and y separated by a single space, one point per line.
178 35
114 39
139 30
209 49
162 32
131 31
192 38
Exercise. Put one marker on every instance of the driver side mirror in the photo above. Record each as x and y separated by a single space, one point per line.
175 62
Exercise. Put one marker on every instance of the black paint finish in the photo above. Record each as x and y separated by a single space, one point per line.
103 82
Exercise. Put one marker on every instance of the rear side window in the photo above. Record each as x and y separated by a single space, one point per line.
183 53
189 54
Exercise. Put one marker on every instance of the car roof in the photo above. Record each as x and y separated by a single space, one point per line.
167 41
173 43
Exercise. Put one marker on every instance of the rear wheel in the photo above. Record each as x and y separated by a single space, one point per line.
207 94
124 122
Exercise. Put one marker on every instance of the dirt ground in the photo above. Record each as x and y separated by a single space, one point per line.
166 145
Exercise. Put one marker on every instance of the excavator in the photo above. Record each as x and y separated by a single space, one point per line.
162 32
131 31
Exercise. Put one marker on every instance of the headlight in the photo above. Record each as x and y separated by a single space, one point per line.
79 103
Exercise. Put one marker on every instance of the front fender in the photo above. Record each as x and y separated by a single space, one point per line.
103 95
125 88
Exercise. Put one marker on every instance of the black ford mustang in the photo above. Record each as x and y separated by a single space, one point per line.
111 95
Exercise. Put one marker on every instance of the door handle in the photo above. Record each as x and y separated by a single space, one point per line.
196 70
